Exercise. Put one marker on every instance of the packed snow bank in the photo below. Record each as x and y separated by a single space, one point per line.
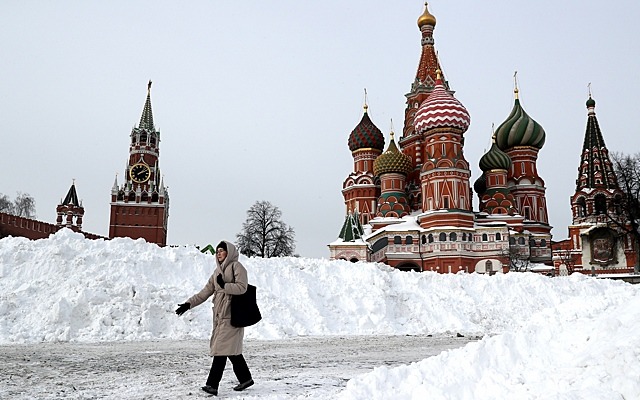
558 338
67 288
578 350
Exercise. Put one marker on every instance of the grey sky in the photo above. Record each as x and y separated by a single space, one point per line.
255 100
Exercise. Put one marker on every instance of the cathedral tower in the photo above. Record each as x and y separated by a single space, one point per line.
361 188
411 142
140 206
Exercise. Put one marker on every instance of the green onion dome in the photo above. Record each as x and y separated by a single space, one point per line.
519 129
495 159
591 103
392 160
366 135
480 185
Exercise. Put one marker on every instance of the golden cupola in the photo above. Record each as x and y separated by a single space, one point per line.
426 18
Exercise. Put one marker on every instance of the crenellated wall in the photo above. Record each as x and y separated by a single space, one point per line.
12 225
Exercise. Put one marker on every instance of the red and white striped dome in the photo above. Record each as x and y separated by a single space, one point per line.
441 110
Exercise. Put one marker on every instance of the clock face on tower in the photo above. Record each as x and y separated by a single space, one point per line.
140 173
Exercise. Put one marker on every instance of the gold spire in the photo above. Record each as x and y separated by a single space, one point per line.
391 134
515 80
426 18
366 106
438 74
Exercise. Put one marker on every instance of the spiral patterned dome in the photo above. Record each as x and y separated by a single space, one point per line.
519 130
480 185
366 135
392 160
495 159
441 110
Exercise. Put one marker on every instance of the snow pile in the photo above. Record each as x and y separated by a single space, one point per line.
573 337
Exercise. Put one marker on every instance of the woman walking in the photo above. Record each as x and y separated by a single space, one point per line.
228 279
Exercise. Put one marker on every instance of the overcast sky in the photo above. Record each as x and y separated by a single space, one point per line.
255 100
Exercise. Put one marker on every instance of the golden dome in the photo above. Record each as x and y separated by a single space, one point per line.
426 18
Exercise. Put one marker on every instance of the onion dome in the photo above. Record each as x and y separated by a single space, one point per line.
591 103
426 18
366 135
495 158
480 185
519 129
392 160
441 110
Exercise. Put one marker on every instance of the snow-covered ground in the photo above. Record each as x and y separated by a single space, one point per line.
554 338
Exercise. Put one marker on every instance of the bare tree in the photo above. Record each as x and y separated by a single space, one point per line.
519 260
264 234
24 205
626 213
6 205
568 258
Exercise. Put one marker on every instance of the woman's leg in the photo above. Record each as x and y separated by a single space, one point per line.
240 368
217 368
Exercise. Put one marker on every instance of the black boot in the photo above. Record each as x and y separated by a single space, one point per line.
243 385
211 390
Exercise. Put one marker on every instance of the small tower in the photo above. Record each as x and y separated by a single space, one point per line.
444 178
496 197
140 206
360 190
521 138
70 210
596 203
392 167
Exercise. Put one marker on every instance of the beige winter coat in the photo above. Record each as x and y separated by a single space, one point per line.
226 340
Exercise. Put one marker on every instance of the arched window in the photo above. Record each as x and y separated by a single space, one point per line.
498 236
532 242
512 241
464 236
600 203
521 241
543 243
430 238
408 240
397 240
132 196
453 237
582 207
443 237
484 237
424 239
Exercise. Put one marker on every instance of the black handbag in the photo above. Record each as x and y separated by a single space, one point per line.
244 308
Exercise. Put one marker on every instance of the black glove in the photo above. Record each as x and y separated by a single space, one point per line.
182 308
220 281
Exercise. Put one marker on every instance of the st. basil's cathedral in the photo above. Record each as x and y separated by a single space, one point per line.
410 205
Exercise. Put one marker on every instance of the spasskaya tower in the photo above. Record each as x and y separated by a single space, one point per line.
140 206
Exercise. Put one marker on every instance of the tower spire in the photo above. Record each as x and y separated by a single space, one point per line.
146 120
